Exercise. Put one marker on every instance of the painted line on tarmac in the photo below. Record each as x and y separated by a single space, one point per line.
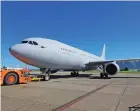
121 97
65 106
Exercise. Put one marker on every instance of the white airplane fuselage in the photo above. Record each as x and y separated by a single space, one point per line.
52 54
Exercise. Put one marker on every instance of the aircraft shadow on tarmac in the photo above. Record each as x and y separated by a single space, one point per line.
89 76
69 76
134 108
98 77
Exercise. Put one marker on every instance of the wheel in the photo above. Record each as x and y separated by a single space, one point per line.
101 75
72 74
11 78
46 78
77 73
106 75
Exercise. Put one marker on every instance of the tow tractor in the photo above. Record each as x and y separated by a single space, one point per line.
14 76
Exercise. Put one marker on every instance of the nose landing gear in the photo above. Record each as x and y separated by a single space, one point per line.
46 75
74 74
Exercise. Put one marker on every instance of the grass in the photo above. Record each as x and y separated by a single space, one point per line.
131 71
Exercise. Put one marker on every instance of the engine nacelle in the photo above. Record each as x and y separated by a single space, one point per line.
112 68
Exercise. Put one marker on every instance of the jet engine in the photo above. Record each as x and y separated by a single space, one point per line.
112 68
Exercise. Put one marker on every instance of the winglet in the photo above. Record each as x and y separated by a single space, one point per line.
103 53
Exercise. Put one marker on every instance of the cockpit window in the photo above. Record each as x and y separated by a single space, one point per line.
35 43
24 42
30 42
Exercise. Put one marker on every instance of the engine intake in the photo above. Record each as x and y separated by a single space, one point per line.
112 68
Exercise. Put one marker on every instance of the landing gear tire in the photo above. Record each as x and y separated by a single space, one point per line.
106 75
74 74
46 78
101 75
77 74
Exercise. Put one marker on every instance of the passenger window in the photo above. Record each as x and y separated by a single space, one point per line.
24 42
30 42
35 43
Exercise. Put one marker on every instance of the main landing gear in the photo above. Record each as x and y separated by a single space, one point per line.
104 74
74 74
46 75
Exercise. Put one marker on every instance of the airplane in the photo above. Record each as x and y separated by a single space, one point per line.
51 56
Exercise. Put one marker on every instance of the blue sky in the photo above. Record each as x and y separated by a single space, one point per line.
85 25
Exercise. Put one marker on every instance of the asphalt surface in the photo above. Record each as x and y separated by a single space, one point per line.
66 93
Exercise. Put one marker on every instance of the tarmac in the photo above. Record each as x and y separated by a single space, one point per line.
65 93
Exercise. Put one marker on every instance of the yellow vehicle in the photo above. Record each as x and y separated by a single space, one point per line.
14 76
36 79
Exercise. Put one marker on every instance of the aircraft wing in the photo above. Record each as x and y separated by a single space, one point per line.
127 60
96 63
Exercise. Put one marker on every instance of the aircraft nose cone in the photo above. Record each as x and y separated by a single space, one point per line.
17 52
10 49
22 53
14 50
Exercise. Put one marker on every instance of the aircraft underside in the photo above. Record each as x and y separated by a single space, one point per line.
107 69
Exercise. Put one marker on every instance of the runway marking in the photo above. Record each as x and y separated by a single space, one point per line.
65 106
121 97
